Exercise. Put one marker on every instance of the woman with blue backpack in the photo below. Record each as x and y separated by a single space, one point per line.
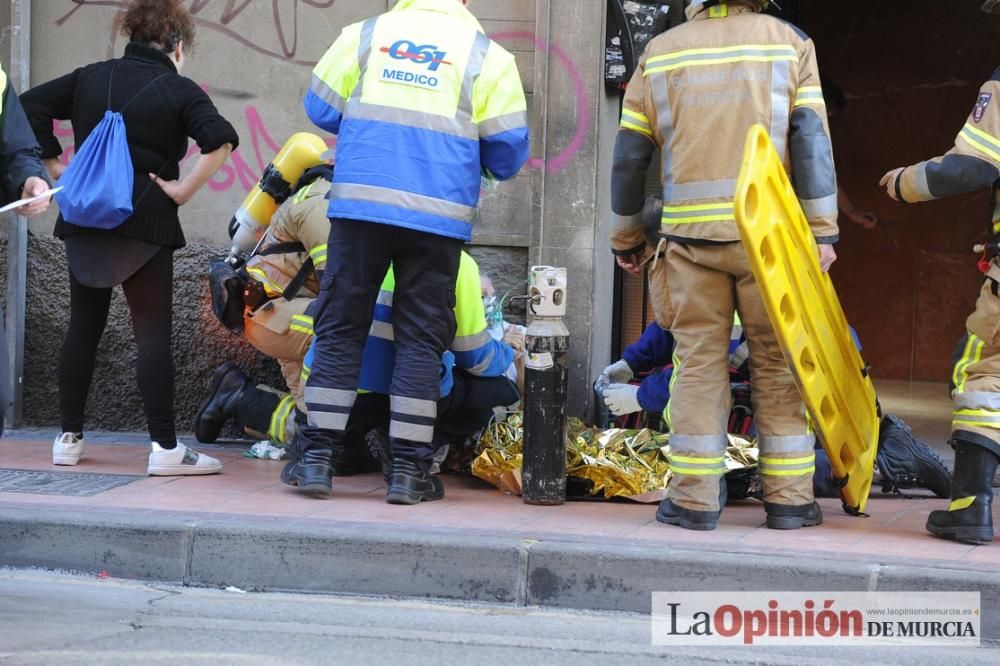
132 118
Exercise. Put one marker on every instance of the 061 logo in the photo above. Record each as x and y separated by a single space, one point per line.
424 54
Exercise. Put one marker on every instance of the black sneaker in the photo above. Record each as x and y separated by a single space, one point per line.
906 462
411 483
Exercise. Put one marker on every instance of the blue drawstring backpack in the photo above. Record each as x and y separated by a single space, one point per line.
97 185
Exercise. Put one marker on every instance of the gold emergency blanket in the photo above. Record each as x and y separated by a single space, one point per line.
618 463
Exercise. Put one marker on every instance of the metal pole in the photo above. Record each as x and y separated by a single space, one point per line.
17 229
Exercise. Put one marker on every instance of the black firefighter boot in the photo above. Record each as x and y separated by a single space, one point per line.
411 483
788 517
312 472
689 519
225 391
969 518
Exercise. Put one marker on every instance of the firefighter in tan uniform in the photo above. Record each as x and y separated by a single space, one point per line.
972 164
278 320
698 89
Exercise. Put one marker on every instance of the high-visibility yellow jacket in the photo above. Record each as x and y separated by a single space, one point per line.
473 349
972 164
423 103
695 94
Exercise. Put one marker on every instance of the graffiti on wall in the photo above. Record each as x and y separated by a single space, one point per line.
259 142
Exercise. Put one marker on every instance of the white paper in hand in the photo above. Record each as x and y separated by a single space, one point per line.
25 202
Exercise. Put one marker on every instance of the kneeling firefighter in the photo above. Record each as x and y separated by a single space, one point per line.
272 305
972 164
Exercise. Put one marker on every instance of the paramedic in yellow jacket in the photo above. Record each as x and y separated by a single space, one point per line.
695 94
973 164
423 104
281 324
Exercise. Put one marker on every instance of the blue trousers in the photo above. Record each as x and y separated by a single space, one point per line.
423 326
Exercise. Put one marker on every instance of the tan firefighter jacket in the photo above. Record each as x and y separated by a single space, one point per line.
698 89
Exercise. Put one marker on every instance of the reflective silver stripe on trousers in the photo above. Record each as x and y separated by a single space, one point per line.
706 189
665 118
408 200
328 420
503 123
328 396
786 444
701 444
779 105
473 68
413 406
977 400
679 467
471 342
822 207
319 88
382 329
411 431
802 468
384 297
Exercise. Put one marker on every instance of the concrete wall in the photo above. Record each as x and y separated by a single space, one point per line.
254 59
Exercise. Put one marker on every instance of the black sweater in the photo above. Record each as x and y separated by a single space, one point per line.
158 123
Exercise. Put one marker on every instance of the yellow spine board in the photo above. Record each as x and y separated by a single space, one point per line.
807 317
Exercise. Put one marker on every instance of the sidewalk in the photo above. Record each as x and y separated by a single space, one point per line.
244 528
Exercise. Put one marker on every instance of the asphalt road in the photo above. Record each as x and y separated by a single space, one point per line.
51 618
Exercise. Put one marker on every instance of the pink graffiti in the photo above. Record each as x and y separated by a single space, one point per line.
561 160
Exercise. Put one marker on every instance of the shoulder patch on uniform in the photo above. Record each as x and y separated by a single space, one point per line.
981 104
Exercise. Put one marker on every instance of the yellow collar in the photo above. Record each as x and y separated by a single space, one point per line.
449 7
731 9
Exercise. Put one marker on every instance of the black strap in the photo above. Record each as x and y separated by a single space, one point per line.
292 290
111 80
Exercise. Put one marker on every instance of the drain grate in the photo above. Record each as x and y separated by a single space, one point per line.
74 484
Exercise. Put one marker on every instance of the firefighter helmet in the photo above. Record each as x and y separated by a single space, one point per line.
991 6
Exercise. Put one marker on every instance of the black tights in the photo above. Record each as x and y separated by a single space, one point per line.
149 293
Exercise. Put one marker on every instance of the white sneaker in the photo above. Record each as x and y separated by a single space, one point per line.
67 449
180 461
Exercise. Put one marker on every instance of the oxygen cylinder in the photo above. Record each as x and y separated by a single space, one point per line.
302 151
546 372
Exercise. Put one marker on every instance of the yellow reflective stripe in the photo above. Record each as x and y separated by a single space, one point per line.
318 254
961 503
978 137
279 418
720 56
718 11
673 380
717 212
635 116
788 461
271 288
302 324
698 471
697 461
642 130
972 354
788 472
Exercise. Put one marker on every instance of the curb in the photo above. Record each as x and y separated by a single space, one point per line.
302 556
